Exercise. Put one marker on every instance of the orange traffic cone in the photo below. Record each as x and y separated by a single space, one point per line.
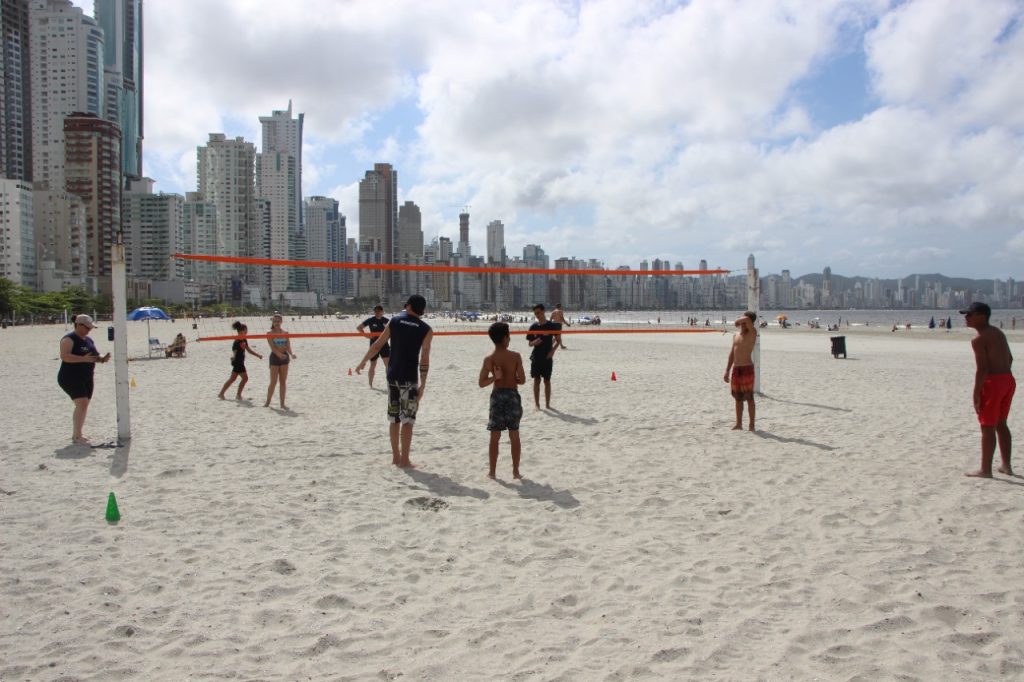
350 371
613 377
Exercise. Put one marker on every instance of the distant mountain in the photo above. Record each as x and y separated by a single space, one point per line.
841 283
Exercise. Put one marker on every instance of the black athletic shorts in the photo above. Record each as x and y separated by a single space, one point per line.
385 352
76 387
541 367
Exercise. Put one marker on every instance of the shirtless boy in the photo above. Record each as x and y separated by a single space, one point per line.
994 387
558 315
504 369
741 362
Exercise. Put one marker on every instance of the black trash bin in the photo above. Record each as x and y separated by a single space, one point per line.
839 346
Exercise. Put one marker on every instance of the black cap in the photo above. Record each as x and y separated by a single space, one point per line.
977 307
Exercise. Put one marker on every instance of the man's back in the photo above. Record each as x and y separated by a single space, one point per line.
407 334
992 351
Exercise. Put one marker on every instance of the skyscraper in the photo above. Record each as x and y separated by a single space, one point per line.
121 21
15 91
378 220
66 71
92 170
495 242
153 231
279 177
325 235
17 245
410 231
464 249
227 181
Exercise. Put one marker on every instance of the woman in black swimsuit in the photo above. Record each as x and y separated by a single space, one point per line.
280 355
238 350
78 358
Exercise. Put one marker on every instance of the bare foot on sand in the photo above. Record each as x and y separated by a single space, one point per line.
1005 470
221 396
751 427
979 474
81 440
491 476
738 427
266 404
406 465
517 475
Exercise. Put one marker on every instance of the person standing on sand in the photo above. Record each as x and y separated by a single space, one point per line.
407 372
504 369
741 362
377 324
239 348
994 387
78 358
559 316
280 356
542 357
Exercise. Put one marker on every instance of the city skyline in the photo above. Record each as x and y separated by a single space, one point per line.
819 132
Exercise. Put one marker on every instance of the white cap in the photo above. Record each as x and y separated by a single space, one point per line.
85 320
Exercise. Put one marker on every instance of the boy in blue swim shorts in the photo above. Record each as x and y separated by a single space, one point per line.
504 370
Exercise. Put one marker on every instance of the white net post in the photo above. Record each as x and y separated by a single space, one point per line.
754 305
121 379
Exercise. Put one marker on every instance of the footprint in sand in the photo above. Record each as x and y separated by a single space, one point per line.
427 503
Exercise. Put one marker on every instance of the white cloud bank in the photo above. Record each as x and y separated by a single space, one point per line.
631 130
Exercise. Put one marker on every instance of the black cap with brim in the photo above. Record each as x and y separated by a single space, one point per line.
977 307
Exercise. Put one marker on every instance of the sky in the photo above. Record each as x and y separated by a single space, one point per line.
877 137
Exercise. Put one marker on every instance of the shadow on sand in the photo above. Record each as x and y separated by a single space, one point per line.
542 492
444 486
119 462
763 396
73 451
572 419
798 441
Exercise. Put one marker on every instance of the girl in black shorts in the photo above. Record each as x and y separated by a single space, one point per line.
238 350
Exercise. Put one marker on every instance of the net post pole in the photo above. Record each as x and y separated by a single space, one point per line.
120 301
753 305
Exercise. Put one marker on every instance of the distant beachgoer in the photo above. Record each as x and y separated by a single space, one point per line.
741 362
280 355
78 358
504 369
542 357
377 324
238 350
994 387
177 347
558 316
407 373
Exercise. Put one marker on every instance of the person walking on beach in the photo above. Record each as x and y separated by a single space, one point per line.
280 355
376 324
410 339
559 316
741 362
78 358
542 357
238 350
504 369
994 387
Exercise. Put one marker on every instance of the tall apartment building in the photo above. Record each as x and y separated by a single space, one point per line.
325 237
15 91
495 242
199 235
92 170
410 231
66 65
60 237
227 181
153 231
121 21
464 248
378 225
17 233
280 183
275 183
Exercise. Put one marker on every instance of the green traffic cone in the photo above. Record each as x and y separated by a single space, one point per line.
113 515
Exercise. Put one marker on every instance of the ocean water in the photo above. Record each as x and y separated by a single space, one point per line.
853 318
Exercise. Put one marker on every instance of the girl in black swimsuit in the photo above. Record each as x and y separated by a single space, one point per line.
238 350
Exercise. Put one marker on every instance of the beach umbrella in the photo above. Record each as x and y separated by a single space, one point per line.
148 313
931 324
949 322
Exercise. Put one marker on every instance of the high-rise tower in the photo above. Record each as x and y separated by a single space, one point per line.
15 92
121 21
378 220
279 181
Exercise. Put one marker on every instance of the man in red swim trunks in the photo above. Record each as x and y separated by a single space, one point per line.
993 388
741 362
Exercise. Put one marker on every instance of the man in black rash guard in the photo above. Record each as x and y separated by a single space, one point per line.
376 325
541 359
407 372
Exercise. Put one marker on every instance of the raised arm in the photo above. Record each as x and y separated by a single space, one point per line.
374 348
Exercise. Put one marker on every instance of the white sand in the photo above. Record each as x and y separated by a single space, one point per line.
648 540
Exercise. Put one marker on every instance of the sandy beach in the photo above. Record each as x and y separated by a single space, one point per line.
840 541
